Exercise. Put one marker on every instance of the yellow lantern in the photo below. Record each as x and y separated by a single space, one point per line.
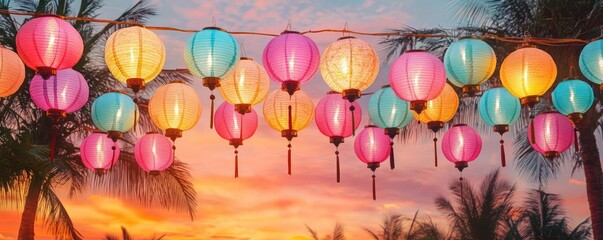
245 85
174 108
134 55
528 73
14 72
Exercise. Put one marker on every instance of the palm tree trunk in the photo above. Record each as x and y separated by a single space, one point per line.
594 180
28 218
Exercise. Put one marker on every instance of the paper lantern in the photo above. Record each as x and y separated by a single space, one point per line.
372 147
175 108
591 62
553 134
235 127
114 113
10 81
63 93
98 152
288 114
469 62
135 56
528 73
335 121
389 112
154 153
499 109
49 43
573 98
246 85
417 76
461 144
439 110
291 59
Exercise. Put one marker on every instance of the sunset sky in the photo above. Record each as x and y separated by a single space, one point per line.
265 203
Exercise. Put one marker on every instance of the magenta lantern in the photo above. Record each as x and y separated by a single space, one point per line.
372 147
63 93
417 76
49 43
98 152
154 153
461 145
334 121
553 134
291 59
234 127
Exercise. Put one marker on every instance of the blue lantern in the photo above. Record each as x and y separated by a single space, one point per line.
591 62
499 109
469 62
573 98
114 113
389 112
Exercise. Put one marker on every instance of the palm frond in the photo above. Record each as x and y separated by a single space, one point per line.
56 218
312 232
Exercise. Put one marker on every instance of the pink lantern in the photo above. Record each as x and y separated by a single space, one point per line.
235 128
63 93
417 76
334 121
461 145
98 152
291 59
154 153
372 147
553 134
49 43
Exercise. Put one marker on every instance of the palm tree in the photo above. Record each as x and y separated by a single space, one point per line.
338 233
393 228
29 179
545 19
125 235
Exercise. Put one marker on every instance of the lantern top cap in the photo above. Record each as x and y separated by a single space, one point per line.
152 132
246 58
526 45
290 31
346 37
386 86
177 81
370 126
414 50
48 15
468 37
459 125
117 91
214 28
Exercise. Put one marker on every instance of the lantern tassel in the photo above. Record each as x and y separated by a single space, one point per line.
337 156
236 163
503 161
576 144
461 183
289 159
374 188
53 138
532 131
113 148
211 118
135 117
392 163
352 108
290 116
435 150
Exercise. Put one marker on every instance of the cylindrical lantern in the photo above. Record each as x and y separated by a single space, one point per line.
499 109
154 153
348 66
417 76
235 127
288 114
134 55
528 73
553 134
591 62
469 62
372 147
49 43
174 108
573 98
461 144
389 112
63 93
10 81
291 59
98 152
114 113
335 121
246 85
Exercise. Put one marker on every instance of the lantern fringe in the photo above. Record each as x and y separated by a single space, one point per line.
352 108
503 160
236 173
289 159
337 157
435 150
392 163
576 143
211 118
374 188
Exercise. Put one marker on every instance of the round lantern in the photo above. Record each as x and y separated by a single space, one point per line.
98 152
469 62
573 98
154 153
114 113
461 144
246 85
591 62
528 73
235 127
335 121
372 147
499 109
553 134
10 81
391 113
417 76
63 93
291 59
49 43
439 110
288 114
134 55
174 108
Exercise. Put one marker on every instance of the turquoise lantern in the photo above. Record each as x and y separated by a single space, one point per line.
591 62
469 62
210 54
391 113
573 98
499 109
114 113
